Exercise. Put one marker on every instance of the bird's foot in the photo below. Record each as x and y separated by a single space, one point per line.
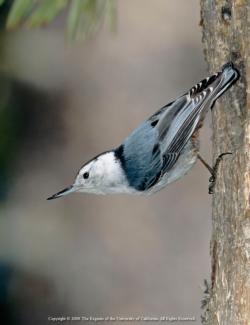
214 171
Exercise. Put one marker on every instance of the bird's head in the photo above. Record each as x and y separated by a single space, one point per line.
101 175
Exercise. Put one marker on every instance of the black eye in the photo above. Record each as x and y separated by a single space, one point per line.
85 175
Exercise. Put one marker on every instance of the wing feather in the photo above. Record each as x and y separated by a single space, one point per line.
173 138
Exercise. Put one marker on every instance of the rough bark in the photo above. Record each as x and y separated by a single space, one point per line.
226 37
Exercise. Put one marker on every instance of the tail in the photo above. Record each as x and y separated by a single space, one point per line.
188 111
228 76
218 83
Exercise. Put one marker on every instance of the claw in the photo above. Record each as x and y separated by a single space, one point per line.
215 168
211 179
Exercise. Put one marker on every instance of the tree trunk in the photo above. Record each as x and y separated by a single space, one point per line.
226 37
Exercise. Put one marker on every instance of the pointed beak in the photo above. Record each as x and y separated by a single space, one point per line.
66 191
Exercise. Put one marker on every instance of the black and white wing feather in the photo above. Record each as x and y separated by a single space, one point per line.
182 117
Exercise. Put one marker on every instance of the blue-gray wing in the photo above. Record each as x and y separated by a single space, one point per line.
155 146
144 154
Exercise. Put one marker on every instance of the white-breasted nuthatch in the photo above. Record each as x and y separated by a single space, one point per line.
161 150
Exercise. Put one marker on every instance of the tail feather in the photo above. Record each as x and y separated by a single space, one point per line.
218 83
188 117
229 76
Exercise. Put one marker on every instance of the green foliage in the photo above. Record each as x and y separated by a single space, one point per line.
84 16
20 11
45 12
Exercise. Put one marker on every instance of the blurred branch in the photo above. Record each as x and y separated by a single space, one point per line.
84 16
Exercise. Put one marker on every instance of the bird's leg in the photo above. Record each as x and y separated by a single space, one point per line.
213 170
210 169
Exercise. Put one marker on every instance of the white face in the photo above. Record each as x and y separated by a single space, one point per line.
97 176
102 175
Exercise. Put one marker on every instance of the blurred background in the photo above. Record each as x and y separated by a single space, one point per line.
63 102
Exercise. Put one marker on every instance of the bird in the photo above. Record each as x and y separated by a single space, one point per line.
160 150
